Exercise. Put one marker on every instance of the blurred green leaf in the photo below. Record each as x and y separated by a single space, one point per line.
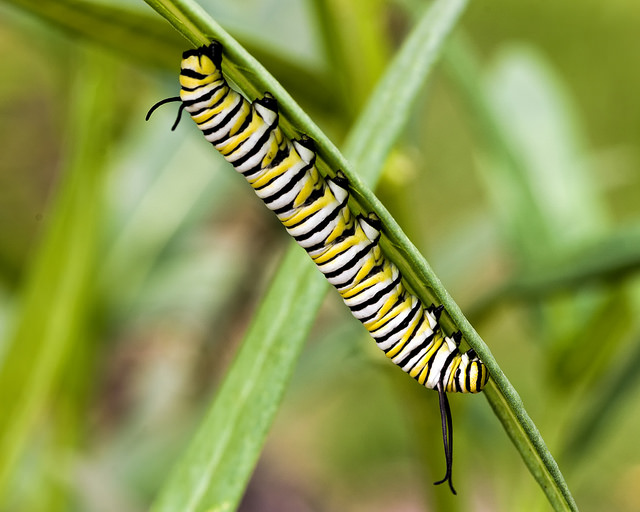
61 278
214 471
357 54
514 202
138 36
600 413
570 368
536 120
148 225
607 259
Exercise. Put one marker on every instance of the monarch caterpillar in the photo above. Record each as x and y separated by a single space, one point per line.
314 210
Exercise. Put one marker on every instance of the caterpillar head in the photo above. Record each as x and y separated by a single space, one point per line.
200 66
204 56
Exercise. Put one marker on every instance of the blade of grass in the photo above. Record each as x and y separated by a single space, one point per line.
213 477
508 406
56 303
215 469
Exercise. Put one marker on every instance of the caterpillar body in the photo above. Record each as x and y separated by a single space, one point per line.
314 210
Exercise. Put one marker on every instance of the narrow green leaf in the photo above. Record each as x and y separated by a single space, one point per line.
132 33
214 471
609 258
525 224
357 55
403 80
613 394
509 409
536 120
213 477
54 309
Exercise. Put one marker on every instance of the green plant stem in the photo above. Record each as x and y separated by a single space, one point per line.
252 78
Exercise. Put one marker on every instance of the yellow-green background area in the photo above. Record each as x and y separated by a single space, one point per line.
141 257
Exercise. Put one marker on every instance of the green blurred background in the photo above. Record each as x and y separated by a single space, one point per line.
132 258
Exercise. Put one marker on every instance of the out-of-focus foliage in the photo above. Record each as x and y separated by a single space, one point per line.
518 179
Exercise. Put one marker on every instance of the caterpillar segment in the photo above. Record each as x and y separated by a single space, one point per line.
315 211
